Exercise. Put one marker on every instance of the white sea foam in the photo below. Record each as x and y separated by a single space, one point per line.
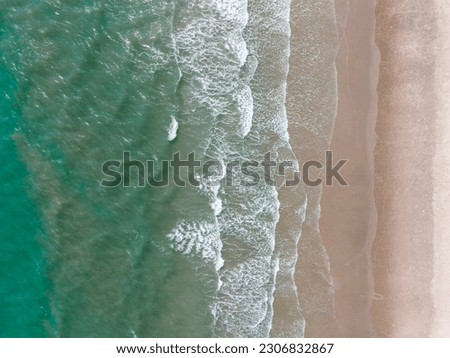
218 69
244 101
173 129
217 206
197 238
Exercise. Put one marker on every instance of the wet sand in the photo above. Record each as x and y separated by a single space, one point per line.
311 108
331 104
348 215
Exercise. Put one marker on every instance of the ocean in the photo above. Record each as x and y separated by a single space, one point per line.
82 82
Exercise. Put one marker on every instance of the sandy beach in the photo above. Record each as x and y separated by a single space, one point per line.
386 233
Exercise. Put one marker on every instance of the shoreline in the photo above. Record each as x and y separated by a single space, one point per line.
311 108
334 250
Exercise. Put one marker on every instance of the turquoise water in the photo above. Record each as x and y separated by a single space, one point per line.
82 83
24 306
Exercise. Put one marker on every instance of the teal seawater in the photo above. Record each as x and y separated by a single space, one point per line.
94 79
91 79
24 305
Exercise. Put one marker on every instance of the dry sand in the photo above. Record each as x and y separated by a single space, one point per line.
441 177
410 129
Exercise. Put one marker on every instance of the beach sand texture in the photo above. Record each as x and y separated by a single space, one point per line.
386 235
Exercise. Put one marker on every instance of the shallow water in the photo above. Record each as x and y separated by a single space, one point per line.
91 79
